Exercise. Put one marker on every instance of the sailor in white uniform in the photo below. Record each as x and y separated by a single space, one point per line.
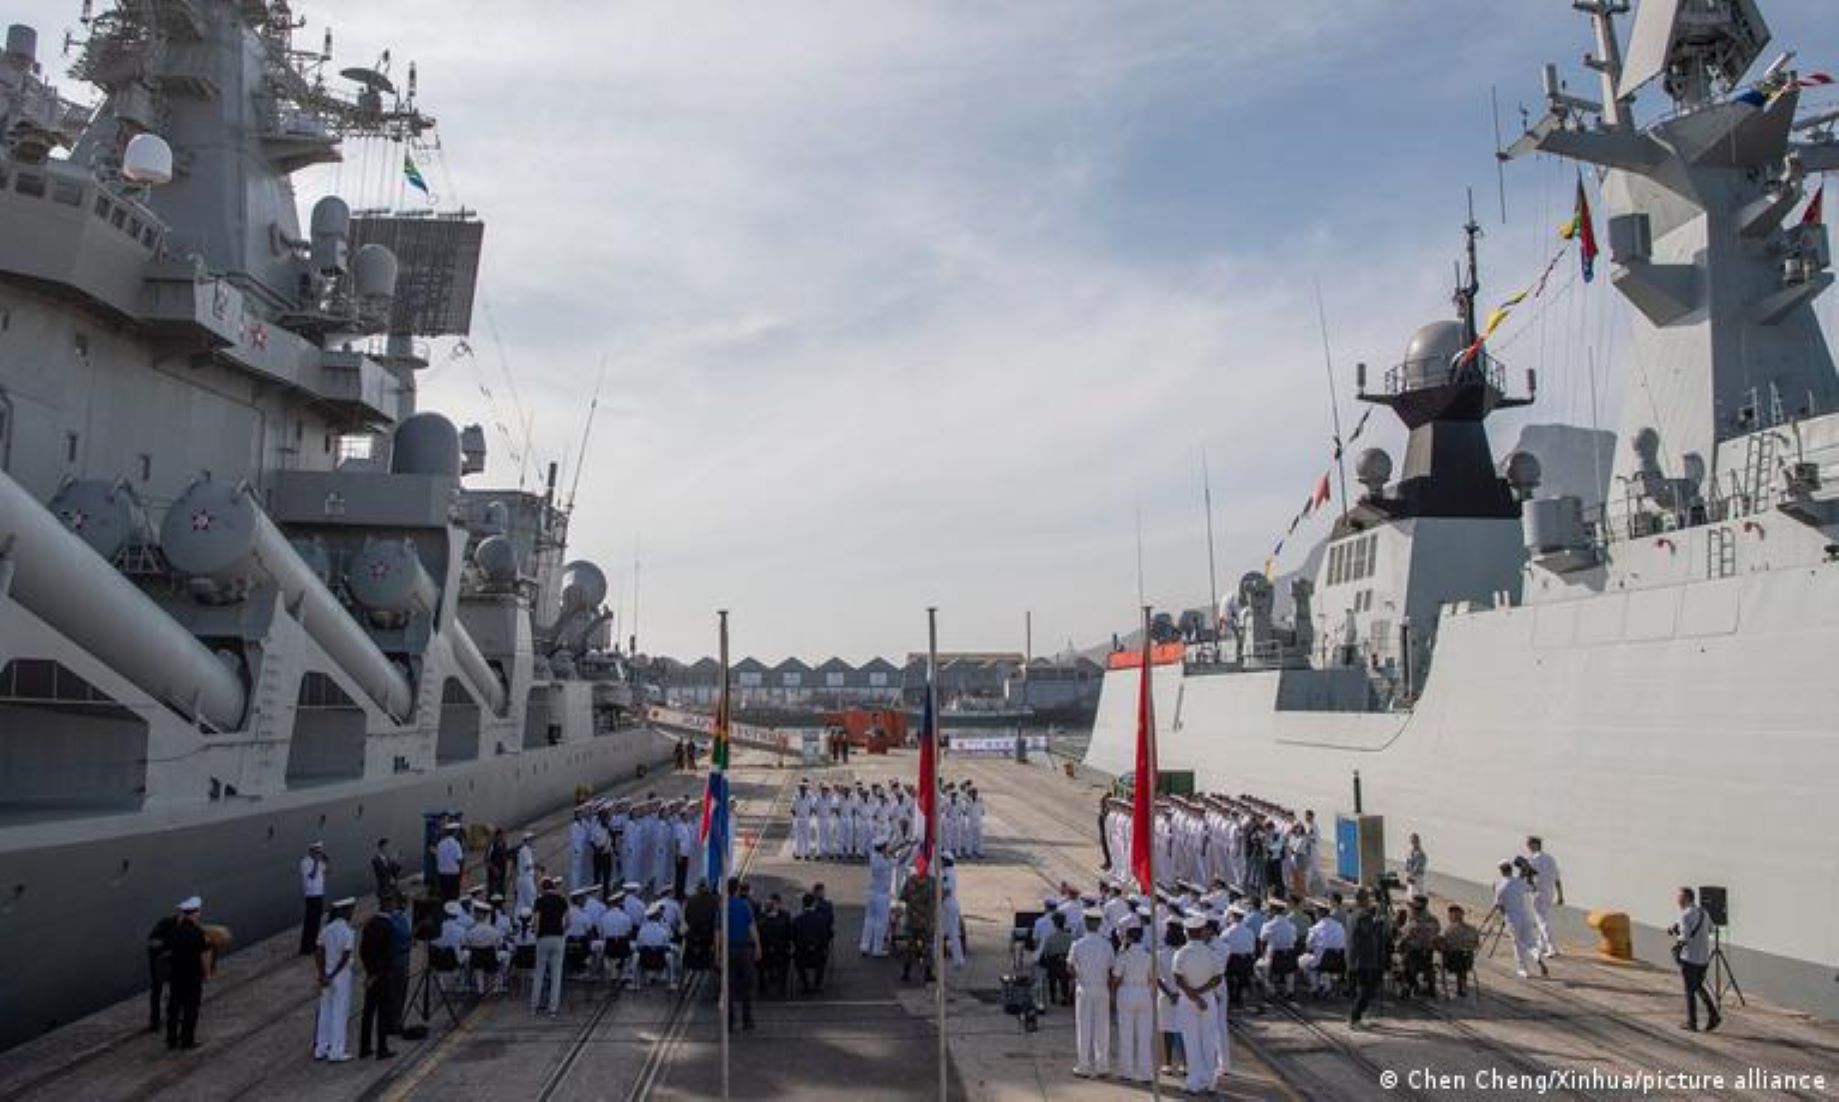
526 871
332 960
880 899
1090 961
1197 979
803 807
578 850
974 819
826 825
954 925
1510 899
1131 969
1548 889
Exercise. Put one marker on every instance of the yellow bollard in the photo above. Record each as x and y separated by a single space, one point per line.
1612 928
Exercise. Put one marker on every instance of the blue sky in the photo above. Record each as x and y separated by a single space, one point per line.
910 304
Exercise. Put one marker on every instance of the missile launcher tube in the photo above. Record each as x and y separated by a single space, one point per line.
66 584
218 532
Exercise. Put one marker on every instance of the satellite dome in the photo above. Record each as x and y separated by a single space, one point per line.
1431 352
147 161
1524 474
1373 468
497 559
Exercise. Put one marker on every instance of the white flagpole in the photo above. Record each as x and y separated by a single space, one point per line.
932 839
720 815
1154 938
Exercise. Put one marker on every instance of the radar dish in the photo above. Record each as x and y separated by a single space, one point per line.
369 78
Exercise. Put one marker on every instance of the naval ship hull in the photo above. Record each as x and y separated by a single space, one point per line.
80 894
1656 738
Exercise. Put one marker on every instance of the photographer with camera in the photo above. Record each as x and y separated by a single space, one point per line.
1692 949
1512 901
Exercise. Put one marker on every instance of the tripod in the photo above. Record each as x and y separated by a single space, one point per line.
1493 928
1722 976
426 988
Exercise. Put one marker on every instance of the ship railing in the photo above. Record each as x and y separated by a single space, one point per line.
1418 374
1773 470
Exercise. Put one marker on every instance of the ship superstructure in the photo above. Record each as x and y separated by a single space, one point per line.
246 600
1642 680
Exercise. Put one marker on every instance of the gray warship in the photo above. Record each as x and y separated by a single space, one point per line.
247 600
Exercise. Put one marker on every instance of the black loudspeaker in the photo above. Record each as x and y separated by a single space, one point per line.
1716 902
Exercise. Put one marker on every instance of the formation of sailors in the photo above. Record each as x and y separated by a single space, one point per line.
1252 845
648 842
838 822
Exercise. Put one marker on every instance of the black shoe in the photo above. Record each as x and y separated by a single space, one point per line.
189 1045
363 1054
1716 1020
384 1054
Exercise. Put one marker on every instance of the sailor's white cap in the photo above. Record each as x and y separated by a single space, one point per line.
480 905
1195 922
191 903
344 904
1093 914
1129 923
1050 901
316 845
453 908
529 834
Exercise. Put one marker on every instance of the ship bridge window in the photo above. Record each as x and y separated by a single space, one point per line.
30 184
103 206
67 192
119 216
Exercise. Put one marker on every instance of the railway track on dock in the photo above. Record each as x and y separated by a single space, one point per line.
173 1074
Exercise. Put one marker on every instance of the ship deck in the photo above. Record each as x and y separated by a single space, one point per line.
870 1035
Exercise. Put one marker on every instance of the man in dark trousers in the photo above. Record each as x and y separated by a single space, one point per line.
385 869
1366 954
377 953
743 953
701 915
775 948
190 959
811 933
159 967
1692 949
498 863
402 945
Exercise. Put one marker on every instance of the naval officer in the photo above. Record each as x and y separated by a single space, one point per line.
1091 959
1510 901
191 958
313 890
1130 974
449 860
1548 888
332 962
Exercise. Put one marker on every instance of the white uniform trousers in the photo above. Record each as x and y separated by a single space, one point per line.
875 926
826 835
1525 936
1092 1027
1136 1052
976 838
334 1015
1542 917
801 836
1223 1050
1200 1038
526 890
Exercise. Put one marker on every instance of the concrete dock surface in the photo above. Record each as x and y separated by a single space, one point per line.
1595 1029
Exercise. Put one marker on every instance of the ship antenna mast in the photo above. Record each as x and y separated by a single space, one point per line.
587 430
1607 61
1467 287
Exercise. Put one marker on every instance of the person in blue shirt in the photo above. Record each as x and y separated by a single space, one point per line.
743 952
